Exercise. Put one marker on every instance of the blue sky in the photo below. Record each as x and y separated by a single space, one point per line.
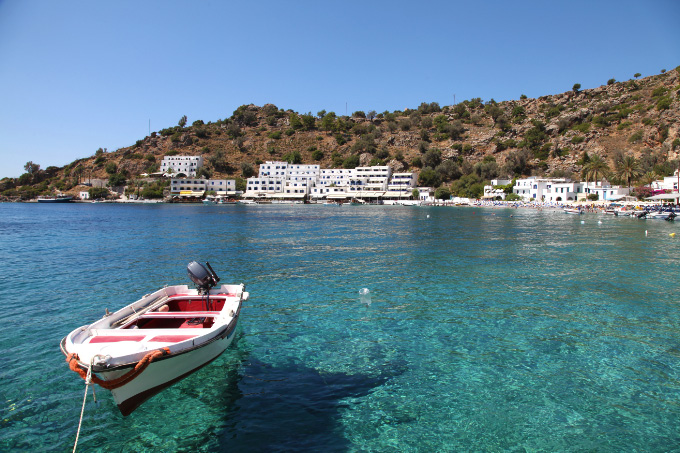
79 75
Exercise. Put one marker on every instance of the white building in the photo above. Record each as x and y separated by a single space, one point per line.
401 185
264 186
532 188
561 191
278 179
370 181
667 183
181 165
281 180
273 169
335 177
603 190
195 187
491 193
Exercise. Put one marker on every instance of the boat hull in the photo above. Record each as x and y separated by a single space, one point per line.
55 200
163 373
156 341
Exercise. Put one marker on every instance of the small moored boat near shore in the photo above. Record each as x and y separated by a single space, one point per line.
158 340
57 199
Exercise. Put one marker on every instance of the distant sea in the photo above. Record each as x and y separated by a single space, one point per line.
486 329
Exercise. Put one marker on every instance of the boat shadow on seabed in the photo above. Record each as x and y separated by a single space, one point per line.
243 404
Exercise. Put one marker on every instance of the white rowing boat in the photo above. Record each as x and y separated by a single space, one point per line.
158 340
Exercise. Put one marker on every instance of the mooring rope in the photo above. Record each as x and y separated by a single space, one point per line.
88 381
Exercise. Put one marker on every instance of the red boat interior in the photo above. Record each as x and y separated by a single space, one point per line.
185 313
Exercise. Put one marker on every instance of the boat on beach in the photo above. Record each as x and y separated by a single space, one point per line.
160 339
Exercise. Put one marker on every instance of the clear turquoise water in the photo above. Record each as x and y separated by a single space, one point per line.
488 329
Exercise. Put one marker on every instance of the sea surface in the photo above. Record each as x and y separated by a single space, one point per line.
484 329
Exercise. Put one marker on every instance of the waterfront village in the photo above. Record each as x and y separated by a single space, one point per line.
283 182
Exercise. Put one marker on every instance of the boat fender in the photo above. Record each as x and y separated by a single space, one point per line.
73 364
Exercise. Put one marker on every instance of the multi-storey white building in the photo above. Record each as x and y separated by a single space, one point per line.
282 180
543 189
193 187
290 181
263 186
273 169
401 185
181 165
370 181
560 191
335 176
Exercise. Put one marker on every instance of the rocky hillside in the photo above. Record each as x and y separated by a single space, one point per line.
463 144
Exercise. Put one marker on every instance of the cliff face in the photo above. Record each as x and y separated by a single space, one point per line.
544 136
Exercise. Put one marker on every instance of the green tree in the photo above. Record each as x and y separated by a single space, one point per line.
648 178
596 169
295 122
636 75
98 192
432 158
308 121
351 162
182 121
611 81
31 168
628 169
442 193
116 179
328 121
576 87
534 137
247 170
111 168
428 177
293 157
494 111
449 170
317 155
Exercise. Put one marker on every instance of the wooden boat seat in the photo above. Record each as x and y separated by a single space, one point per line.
180 314
168 338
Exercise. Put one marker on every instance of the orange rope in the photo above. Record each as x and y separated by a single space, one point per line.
72 360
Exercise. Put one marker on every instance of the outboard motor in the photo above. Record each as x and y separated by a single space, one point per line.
205 279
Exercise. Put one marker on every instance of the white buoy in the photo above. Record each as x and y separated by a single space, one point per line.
365 296
645 232
428 216
599 222
583 222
